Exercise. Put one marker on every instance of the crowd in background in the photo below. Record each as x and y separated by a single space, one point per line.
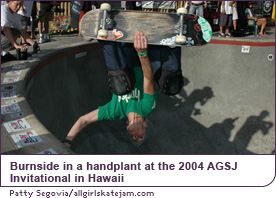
229 18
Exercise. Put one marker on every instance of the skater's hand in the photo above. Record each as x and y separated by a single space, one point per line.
140 42
67 143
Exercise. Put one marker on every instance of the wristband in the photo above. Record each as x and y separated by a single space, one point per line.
142 54
67 141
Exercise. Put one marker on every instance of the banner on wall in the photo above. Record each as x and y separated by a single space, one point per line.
60 23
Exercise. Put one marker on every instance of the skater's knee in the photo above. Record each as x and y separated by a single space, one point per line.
170 83
121 81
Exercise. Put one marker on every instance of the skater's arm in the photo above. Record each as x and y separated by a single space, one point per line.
81 123
141 45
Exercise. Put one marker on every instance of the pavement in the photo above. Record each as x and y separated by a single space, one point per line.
227 104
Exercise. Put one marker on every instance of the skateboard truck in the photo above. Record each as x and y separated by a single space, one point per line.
181 39
105 7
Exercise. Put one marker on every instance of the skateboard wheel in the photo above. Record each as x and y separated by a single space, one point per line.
102 33
105 6
182 11
180 39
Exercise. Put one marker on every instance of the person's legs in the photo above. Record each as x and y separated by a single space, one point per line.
5 43
200 11
222 24
192 9
154 53
229 24
49 17
33 33
235 24
40 27
132 59
235 18
40 31
131 56
114 55
121 78
169 78
262 22
46 27
171 58
24 24
41 18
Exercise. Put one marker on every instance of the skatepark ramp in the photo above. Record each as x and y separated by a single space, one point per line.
227 104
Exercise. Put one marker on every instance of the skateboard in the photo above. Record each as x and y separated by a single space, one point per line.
169 29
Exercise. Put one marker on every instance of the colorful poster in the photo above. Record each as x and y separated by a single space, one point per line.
17 125
14 108
26 138
60 23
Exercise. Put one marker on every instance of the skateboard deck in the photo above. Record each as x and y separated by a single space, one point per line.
159 28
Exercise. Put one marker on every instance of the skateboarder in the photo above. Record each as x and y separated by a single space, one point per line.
135 105
121 59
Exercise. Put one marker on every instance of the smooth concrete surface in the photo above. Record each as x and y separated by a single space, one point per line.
227 105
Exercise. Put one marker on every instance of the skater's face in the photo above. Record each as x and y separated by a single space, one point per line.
138 131
15 6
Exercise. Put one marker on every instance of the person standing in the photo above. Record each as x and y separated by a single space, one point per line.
226 18
45 15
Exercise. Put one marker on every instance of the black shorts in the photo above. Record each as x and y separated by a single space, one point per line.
225 20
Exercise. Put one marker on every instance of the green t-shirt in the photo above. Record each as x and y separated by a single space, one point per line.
137 101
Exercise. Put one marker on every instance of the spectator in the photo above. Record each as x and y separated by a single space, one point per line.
11 29
34 21
45 15
225 21
197 7
259 21
25 16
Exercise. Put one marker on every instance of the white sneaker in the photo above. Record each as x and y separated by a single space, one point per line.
41 40
228 35
47 38
221 35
